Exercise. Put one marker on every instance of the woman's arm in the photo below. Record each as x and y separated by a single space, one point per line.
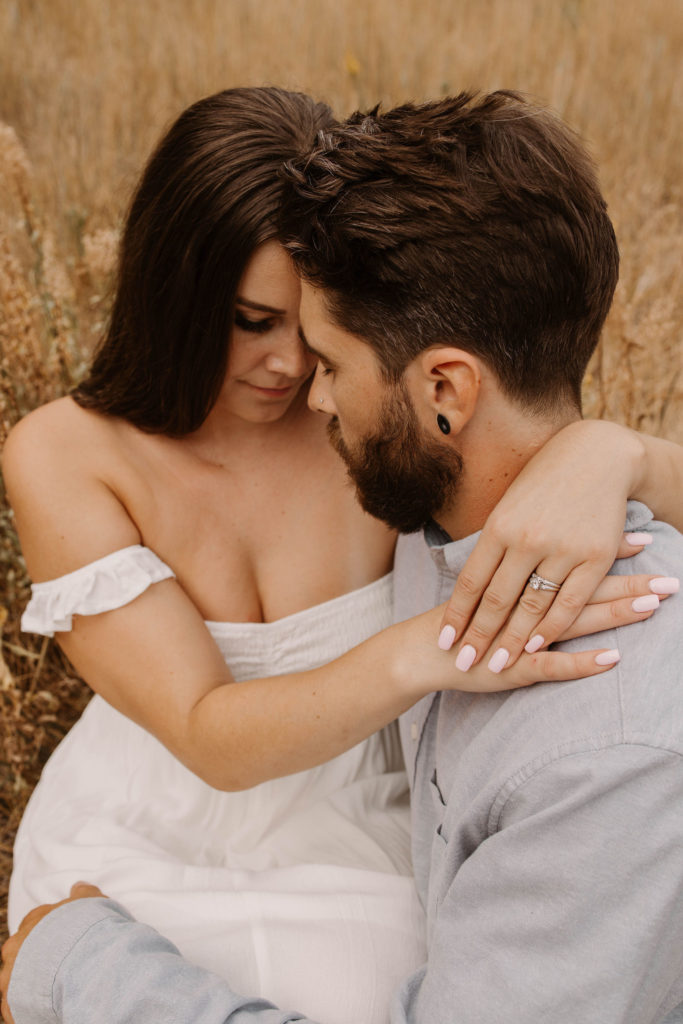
155 661
562 517
659 484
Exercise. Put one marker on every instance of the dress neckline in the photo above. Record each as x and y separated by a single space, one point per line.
314 611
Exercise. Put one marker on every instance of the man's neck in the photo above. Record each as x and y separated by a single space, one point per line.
494 452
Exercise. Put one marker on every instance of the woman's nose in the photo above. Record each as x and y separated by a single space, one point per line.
289 356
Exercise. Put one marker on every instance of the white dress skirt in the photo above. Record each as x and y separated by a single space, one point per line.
300 889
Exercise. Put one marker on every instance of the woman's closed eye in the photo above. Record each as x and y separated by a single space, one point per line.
255 326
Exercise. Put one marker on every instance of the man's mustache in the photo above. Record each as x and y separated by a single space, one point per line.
335 436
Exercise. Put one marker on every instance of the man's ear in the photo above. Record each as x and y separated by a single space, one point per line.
448 384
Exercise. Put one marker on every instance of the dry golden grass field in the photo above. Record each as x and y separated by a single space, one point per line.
86 88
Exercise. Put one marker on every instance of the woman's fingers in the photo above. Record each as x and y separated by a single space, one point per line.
506 589
544 666
616 601
556 666
474 579
561 616
614 587
484 597
492 597
609 614
515 613
541 617
633 543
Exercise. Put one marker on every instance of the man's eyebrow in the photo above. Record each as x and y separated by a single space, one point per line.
258 305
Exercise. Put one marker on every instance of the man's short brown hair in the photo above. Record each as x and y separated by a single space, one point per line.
472 220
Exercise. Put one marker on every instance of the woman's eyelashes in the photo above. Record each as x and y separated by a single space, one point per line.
255 326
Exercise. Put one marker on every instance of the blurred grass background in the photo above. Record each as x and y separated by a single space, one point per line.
86 88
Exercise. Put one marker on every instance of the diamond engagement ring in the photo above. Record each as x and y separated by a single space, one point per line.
537 582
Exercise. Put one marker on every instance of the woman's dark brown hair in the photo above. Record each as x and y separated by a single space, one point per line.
210 194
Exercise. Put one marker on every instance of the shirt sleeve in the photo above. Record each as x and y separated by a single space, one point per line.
570 910
89 960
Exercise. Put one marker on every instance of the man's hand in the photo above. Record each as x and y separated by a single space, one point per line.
11 948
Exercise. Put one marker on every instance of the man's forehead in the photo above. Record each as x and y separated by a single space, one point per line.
318 331
312 304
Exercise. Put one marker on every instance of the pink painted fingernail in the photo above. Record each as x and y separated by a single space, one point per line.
446 638
645 604
499 660
638 540
466 656
665 585
534 644
607 658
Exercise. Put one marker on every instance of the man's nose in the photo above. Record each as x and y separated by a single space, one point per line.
319 398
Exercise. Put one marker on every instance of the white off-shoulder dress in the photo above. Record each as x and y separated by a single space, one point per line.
299 889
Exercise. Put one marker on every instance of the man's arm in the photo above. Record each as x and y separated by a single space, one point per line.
570 910
89 960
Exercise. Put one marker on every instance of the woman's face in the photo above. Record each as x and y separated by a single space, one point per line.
267 362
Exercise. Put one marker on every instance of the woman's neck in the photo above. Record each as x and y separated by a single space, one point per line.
223 433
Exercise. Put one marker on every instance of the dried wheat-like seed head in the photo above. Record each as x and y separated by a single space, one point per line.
55 274
100 250
14 161
23 379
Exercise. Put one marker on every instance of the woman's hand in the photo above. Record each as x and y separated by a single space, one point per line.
618 601
561 518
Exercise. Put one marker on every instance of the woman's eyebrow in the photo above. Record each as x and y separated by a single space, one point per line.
258 305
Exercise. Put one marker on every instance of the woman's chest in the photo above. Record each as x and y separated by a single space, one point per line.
258 543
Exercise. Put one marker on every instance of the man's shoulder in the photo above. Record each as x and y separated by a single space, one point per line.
638 702
650 673
652 650
667 542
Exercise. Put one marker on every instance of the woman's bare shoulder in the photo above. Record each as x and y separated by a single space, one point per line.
58 430
55 465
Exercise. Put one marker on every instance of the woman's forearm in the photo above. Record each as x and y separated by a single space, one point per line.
640 466
239 735
659 484
242 734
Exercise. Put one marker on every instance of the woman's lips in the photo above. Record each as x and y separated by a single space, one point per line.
273 392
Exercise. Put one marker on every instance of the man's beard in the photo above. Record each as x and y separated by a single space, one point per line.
401 476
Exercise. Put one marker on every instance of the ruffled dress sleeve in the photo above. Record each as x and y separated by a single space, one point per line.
101 586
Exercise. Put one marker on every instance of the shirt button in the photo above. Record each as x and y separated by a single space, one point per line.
413 730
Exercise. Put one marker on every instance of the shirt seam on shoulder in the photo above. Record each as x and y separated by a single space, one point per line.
528 772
